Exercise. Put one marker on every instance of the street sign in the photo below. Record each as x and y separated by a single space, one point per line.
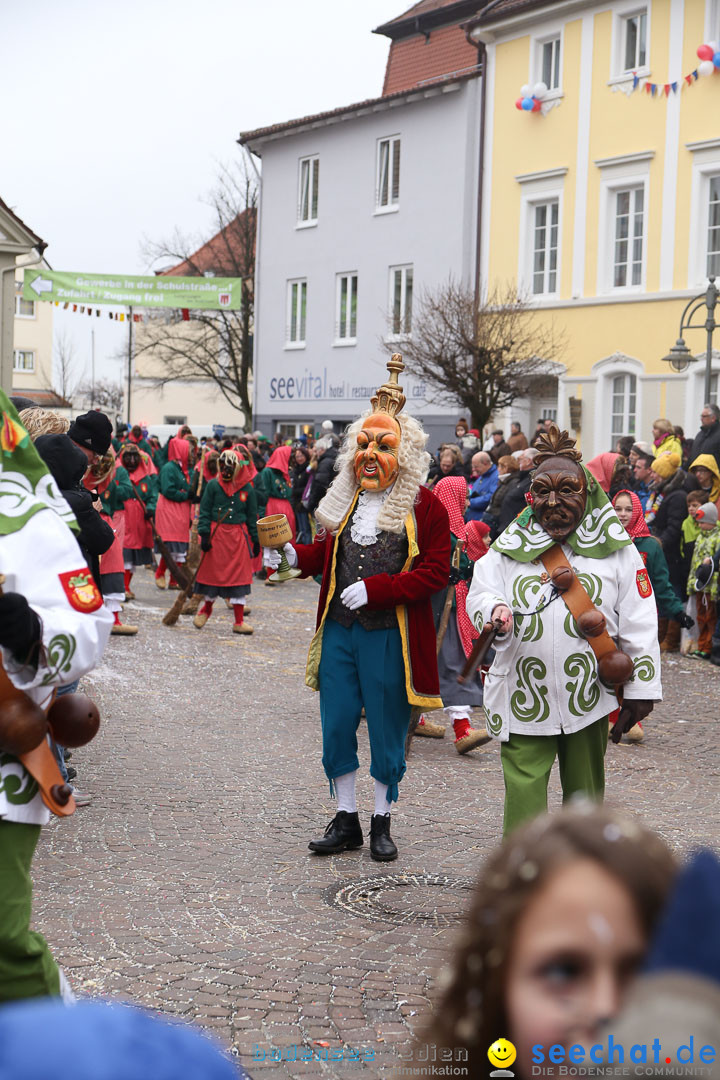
165 291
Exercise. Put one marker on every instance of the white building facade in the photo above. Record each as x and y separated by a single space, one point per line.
361 210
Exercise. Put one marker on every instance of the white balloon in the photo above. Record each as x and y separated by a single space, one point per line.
540 90
706 67
525 91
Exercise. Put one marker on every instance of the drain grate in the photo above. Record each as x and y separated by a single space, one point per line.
403 899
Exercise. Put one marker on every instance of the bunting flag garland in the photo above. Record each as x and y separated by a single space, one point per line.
709 56
116 316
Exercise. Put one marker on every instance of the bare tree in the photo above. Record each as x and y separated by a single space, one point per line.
215 345
482 358
65 375
103 394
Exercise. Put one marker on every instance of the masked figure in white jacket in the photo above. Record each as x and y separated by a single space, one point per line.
555 675
53 629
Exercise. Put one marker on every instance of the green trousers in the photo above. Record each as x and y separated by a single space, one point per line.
527 762
27 968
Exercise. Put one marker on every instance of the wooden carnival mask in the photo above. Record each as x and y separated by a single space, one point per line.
559 487
376 457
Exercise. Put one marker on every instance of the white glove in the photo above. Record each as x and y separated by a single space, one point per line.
271 556
355 596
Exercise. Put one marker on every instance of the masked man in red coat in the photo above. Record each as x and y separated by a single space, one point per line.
383 549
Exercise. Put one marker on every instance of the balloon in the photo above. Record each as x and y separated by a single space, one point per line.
537 105
527 104
540 91
706 67
716 59
525 91
705 52
518 103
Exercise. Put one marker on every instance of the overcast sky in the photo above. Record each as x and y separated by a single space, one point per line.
115 117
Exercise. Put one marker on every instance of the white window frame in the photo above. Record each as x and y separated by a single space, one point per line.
706 165
620 174
621 13
536 189
712 21
605 371
556 32
405 331
343 339
311 160
392 206
24 369
20 299
295 300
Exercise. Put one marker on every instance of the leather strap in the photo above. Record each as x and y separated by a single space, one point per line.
577 600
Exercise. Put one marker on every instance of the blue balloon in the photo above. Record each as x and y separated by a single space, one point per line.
527 104
716 59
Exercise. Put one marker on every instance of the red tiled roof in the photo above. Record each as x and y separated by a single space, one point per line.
413 60
332 114
11 213
46 399
223 254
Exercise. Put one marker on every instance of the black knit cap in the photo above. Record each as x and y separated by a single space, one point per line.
92 430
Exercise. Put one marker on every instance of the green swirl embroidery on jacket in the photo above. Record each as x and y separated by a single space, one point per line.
17 785
528 628
529 702
60 652
583 688
593 587
494 722
643 668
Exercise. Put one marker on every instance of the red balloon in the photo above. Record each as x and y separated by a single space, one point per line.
518 103
704 52
537 105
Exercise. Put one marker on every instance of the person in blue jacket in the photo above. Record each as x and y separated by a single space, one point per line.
484 487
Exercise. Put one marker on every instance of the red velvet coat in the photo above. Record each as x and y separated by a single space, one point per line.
425 572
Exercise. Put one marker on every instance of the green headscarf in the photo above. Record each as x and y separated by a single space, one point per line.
26 486
598 534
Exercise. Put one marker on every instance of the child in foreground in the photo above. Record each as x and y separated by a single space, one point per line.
560 923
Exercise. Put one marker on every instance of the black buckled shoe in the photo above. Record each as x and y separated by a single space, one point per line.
342 834
382 848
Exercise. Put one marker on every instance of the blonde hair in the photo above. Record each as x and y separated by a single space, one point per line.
664 426
413 464
37 422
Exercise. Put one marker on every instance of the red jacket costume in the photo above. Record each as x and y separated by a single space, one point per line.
425 572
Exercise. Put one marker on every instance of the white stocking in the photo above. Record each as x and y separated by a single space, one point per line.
345 792
382 806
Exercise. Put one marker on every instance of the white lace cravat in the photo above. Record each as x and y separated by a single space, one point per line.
364 529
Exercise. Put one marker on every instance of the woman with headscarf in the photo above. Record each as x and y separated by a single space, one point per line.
458 700
139 510
273 487
173 515
110 481
227 527
301 479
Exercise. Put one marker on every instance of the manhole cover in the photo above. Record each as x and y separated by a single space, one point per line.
402 899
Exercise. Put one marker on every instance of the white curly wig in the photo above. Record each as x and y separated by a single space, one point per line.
413 465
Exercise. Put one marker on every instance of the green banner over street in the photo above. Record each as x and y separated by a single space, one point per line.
133 290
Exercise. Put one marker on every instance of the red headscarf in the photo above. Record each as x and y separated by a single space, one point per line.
602 468
206 459
243 475
179 450
280 460
452 493
145 468
637 526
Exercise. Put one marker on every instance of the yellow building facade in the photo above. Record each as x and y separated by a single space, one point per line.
604 205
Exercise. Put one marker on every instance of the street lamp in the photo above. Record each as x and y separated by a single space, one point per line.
679 358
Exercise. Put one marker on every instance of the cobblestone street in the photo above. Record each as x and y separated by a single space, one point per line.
187 885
